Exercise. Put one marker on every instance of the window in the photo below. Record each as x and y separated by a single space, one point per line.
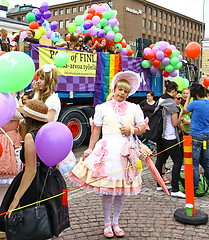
87 6
178 34
55 13
23 18
155 26
73 20
60 24
19 19
67 23
169 30
182 33
160 14
81 9
174 31
182 22
160 27
67 10
165 16
144 9
187 35
169 17
74 10
143 23
187 23
155 12
174 19
149 24
178 20
61 11
164 28
149 10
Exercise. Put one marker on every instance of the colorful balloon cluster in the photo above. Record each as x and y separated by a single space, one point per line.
163 57
99 21
37 22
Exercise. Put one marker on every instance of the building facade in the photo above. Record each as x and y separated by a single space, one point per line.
137 18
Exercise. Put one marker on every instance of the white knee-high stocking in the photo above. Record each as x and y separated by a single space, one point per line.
107 203
118 206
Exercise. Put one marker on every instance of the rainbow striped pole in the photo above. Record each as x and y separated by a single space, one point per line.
188 171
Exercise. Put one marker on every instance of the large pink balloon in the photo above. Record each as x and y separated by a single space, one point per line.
7 108
53 143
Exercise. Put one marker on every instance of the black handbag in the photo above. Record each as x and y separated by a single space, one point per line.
30 223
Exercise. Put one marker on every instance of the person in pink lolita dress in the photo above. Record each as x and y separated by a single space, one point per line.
118 120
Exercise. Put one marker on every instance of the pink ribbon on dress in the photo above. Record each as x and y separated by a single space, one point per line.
146 121
100 165
119 107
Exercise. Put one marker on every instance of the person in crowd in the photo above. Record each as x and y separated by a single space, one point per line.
45 88
4 41
87 46
185 118
112 50
199 129
79 43
170 138
102 46
73 42
30 37
22 189
148 105
13 46
118 120
27 95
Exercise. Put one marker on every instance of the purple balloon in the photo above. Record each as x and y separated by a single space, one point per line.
35 10
160 55
174 73
110 35
166 61
44 7
53 143
112 22
123 51
49 34
38 15
105 6
153 69
172 47
101 33
7 108
147 51
47 14
155 49
180 57
163 45
93 31
40 21
54 25
94 6
96 20
117 24
87 24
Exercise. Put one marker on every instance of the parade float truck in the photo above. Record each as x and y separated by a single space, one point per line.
85 82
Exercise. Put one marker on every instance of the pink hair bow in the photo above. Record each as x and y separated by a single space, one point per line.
146 121
119 107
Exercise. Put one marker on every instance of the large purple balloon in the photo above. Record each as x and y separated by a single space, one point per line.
53 143
101 33
54 25
93 31
47 14
87 24
38 15
44 7
7 107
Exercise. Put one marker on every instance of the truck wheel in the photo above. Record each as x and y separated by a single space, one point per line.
77 122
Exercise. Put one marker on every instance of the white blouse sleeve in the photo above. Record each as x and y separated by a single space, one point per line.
53 102
139 117
98 116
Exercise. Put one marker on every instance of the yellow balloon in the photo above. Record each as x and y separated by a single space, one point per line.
37 33
42 30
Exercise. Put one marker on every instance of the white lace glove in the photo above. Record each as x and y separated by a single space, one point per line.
144 150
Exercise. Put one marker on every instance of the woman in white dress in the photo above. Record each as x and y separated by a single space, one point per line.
118 120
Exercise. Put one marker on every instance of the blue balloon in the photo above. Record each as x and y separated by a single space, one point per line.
55 36
46 25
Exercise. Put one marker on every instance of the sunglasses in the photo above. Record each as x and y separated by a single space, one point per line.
179 98
81 41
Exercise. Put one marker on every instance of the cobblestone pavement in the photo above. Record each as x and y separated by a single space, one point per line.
147 216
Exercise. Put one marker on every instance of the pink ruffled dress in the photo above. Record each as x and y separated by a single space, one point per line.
8 164
106 156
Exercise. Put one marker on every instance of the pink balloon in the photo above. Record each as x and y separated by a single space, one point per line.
166 61
160 55
174 73
180 57
53 143
147 51
112 22
7 108
105 6
93 31
110 35
163 45
96 20
123 51
23 35
155 49
172 47
49 34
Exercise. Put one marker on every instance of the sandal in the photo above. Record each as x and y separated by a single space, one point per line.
118 232
108 233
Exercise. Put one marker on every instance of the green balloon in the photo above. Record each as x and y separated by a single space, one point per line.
177 66
175 53
118 37
107 29
79 20
16 71
72 27
30 17
180 82
186 83
103 22
169 68
162 66
108 14
174 61
61 59
115 29
118 46
146 64
98 26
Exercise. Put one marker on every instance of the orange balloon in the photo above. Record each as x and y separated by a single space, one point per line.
193 50
33 25
205 82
